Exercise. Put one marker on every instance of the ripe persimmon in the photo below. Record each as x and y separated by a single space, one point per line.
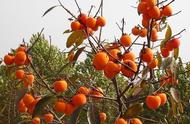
9 59
125 40
175 43
83 90
102 116
69 108
48 118
143 32
165 52
114 54
36 120
167 10
153 102
111 69
120 121
28 99
21 48
101 21
163 98
154 12
169 46
145 23
28 80
20 74
142 7
82 18
151 3
75 25
95 28
154 38
100 60
131 68
91 22
154 35
135 121
21 106
20 58
146 17
32 106
153 64
79 99
59 106
60 86
135 31
128 56
146 55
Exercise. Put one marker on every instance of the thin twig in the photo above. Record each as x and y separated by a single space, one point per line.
78 6
99 8
47 86
39 35
67 10
91 7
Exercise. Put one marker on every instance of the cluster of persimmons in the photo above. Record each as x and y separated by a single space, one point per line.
88 24
112 60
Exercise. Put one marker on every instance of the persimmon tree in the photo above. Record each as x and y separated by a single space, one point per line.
115 84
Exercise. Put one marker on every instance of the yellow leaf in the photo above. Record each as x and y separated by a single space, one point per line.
159 58
168 35
176 53
76 37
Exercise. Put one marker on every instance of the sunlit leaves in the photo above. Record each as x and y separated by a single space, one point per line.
168 35
76 37
176 53
159 58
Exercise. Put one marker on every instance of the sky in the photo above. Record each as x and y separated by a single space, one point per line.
21 18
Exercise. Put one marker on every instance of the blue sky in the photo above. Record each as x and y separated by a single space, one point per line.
22 18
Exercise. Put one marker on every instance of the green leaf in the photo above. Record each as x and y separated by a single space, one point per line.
168 35
159 58
175 94
51 8
77 54
67 31
93 114
42 103
76 37
134 110
75 116
176 53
